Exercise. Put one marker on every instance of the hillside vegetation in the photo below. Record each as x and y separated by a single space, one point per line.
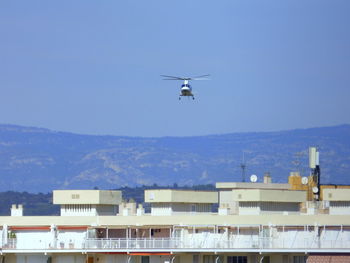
41 160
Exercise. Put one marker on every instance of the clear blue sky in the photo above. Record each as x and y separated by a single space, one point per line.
93 67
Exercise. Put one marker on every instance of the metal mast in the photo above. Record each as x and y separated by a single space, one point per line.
243 166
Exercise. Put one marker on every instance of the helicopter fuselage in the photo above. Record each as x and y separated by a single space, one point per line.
186 90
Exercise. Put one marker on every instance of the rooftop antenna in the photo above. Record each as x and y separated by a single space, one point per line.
314 164
243 166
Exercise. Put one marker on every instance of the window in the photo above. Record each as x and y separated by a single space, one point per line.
195 259
208 259
237 259
193 208
145 259
299 259
213 259
75 196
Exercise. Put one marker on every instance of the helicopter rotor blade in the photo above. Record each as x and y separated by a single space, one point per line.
202 76
172 77
200 79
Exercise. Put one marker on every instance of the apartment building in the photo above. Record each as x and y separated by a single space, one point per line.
252 222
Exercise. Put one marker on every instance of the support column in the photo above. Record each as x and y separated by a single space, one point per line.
4 234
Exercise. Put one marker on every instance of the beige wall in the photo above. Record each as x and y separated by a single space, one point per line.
231 186
226 202
71 258
256 195
10 258
336 194
98 197
180 196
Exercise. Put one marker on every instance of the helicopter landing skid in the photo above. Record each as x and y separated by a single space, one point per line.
187 96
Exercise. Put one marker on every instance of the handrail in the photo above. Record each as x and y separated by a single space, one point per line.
176 243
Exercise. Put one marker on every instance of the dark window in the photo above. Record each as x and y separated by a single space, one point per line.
145 259
213 259
299 259
237 259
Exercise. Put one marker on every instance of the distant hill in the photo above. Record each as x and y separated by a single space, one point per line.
40 160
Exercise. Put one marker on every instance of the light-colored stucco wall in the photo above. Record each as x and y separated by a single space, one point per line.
239 185
198 219
97 197
268 195
336 194
180 196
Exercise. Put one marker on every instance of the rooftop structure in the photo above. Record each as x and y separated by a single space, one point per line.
339 201
87 202
169 202
186 236
239 185
255 222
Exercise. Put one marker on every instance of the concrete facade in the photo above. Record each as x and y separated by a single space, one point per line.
87 202
269 226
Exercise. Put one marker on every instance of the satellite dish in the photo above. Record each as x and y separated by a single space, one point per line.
304 180
315 189
253 178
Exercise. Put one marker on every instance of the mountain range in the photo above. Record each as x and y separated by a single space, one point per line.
40 160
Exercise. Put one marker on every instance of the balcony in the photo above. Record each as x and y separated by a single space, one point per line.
253 244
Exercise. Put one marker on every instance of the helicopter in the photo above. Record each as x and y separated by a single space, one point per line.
186 89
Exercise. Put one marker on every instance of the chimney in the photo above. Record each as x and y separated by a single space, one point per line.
267 178
17 211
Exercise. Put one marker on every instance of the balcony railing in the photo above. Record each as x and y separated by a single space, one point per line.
178 244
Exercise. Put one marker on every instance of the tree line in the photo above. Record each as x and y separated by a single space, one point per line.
40 204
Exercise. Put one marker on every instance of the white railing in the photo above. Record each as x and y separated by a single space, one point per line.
178 243
15 243
134 243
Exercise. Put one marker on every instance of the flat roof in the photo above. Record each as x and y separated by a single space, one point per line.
238 185
180 196
269 195
93 197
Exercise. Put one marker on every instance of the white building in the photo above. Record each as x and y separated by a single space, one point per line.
267 225
171 202
339 201
87 202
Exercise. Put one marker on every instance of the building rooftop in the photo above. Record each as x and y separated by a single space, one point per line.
238 185
336 194
92 197
266 195
180 196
